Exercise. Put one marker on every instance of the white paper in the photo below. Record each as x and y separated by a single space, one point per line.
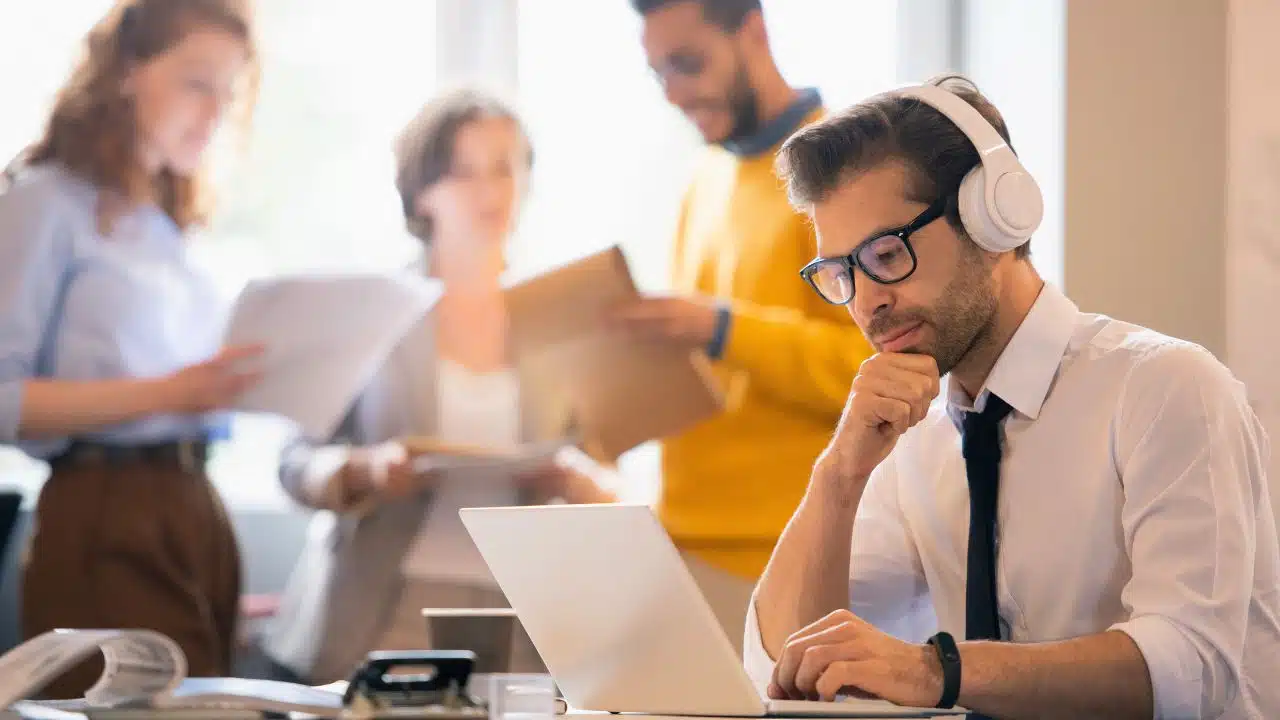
325 336
138 664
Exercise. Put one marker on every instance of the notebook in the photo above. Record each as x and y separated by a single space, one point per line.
144 670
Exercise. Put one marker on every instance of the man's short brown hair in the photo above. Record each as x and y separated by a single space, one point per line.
885 128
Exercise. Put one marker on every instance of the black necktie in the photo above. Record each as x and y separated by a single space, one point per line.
981 445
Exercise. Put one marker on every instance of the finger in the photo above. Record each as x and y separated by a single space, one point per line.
916 362
889 411
838 643
647 324
234 353
240 382
644 309
907 387
400 479
860 675
775 692
784 671
924 385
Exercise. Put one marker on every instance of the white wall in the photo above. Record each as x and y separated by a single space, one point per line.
1014 50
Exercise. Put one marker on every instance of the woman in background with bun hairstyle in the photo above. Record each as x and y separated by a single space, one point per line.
391 541
110 366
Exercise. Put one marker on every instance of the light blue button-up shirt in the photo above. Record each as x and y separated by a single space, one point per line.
77 305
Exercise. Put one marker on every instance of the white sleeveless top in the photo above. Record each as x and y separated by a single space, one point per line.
475 409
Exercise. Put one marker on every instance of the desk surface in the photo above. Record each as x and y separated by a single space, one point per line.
585 715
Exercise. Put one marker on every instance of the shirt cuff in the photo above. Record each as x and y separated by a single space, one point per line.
720 336
319 477
10 411
1177 685
755 658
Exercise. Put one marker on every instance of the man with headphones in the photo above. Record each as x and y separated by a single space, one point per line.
1085 511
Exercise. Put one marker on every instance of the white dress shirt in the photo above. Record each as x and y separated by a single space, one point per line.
1133 497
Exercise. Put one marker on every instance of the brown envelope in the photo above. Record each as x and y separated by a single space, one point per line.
616 390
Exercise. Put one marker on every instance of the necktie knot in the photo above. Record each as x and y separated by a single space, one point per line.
980 431
995 410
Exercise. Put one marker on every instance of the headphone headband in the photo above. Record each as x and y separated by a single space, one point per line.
1000 203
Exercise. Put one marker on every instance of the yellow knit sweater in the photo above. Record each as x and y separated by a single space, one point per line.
730 484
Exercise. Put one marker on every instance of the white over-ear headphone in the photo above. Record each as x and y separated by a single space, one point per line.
1000 203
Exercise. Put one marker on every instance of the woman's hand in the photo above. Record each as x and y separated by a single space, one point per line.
214 384
384 471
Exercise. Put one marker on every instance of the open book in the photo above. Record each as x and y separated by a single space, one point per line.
145 670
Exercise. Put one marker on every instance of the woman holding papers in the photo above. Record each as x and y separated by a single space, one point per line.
393 543
109 362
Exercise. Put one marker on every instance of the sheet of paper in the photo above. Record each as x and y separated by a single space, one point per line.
325 337
138 664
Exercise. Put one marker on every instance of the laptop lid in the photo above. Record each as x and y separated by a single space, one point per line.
612 610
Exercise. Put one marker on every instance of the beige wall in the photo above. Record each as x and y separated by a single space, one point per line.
1253 211
1172 188
1146 120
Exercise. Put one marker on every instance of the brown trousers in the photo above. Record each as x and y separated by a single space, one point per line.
137 545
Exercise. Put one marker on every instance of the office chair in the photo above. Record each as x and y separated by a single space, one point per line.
10 506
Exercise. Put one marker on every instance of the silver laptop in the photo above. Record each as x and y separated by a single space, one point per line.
619 621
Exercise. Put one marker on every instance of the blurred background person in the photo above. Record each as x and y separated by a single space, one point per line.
729 485
391 542
109 338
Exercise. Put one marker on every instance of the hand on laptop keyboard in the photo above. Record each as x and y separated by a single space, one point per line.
841 653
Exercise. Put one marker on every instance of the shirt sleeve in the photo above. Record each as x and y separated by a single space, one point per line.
34 259
1191 454
887 585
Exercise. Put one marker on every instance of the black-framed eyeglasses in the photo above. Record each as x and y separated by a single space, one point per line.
886 258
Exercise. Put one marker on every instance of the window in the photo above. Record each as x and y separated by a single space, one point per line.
340 79
613 158
45 59
314 188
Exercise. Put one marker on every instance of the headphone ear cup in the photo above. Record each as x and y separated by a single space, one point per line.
973 211
975 215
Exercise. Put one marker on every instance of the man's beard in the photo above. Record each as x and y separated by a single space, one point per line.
743 106
961 320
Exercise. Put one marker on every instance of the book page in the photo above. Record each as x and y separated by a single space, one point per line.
139 664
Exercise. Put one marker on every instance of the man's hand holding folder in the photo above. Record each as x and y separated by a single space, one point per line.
573 336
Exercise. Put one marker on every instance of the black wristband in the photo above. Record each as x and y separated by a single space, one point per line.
949 656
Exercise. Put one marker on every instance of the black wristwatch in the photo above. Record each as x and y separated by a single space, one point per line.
949 656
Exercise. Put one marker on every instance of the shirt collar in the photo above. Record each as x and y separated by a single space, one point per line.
777 129
1025 370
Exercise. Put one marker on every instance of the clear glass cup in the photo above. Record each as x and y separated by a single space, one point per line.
521 697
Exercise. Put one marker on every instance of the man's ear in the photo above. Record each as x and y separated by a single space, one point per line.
424 205
753 31
129 81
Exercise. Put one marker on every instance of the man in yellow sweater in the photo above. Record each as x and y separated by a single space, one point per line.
730 484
